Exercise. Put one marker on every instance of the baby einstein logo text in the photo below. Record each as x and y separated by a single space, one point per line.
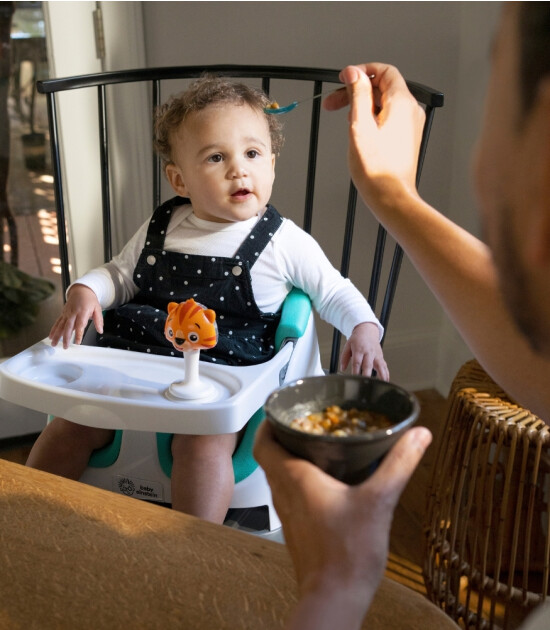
138 488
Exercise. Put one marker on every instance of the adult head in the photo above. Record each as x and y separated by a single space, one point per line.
512 167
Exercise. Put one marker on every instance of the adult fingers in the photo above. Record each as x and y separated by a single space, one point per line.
271 456
281 467
343 97
348 76
360 95
393 474
292 479
384 78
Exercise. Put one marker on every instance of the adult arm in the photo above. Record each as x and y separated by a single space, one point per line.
337 535
384 136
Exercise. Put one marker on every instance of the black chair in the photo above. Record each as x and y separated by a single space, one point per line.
273 80
318 79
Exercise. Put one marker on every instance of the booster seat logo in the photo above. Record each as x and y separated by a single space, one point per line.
126 486
138 488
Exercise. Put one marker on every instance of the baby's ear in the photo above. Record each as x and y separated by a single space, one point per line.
175 178
172 307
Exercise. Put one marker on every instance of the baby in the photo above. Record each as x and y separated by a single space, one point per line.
221 243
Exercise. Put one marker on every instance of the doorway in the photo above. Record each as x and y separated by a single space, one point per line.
29 186
29 227
57 39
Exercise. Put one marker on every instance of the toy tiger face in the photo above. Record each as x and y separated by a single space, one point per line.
191 326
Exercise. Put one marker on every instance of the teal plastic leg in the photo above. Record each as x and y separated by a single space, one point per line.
244 463
107 456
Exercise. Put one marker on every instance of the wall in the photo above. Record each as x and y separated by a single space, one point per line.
442 44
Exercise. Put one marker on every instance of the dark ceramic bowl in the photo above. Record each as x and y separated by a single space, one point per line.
354 457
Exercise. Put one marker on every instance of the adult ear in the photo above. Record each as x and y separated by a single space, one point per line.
175 177
537 178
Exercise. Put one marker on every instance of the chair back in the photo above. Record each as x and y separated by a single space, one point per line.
273 80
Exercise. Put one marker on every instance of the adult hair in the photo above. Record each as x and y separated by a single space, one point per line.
534 36
205 91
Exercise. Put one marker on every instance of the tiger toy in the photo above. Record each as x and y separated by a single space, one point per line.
191 326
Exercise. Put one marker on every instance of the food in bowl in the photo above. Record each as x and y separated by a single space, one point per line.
352 458
341 422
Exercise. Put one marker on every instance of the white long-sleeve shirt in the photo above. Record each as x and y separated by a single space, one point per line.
291 259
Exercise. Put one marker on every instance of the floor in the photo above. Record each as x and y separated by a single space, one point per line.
406 542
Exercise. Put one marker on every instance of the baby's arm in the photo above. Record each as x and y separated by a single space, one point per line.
82 306
335 298
103 287
364 351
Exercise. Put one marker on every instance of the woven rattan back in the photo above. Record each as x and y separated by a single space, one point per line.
487 543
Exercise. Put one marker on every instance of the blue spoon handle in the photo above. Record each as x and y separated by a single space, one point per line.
281 110
294 104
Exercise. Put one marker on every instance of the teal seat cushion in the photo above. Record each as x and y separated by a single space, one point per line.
294 317
107 456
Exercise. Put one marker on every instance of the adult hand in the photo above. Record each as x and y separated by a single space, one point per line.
81 307
385 130
337 535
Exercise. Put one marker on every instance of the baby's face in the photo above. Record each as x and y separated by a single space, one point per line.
223 162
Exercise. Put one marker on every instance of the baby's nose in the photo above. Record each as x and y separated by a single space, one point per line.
237 169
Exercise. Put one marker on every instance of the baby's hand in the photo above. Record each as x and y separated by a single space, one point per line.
81 306
365 352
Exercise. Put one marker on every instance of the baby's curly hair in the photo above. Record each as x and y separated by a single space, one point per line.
208 90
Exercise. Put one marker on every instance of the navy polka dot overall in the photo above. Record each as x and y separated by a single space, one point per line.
245 334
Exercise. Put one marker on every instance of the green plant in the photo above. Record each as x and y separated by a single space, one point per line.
20 297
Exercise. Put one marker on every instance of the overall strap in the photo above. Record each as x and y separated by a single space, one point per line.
156 232
255 243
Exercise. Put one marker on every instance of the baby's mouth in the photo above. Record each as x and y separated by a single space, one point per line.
242 192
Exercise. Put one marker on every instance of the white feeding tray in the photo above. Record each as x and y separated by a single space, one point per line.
119 389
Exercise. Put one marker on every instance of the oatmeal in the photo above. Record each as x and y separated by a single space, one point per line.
341 422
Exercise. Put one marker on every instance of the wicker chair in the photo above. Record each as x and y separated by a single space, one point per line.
487 550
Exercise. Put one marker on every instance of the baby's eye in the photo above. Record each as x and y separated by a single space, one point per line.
193 337
170 333
252 153
217 157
